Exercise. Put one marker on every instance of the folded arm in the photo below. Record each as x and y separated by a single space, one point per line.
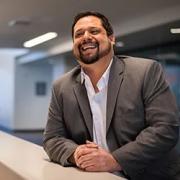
56 142
162 125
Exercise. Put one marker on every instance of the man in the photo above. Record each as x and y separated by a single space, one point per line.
113 114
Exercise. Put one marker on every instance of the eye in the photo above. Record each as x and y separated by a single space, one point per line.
78 34
94 31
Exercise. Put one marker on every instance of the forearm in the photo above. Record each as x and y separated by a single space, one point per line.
59 150
150 145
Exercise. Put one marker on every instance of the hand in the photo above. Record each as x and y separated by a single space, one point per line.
83 149
90 157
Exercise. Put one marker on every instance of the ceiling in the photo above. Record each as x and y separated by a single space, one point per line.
153 37
21 20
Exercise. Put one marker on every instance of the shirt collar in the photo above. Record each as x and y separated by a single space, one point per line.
103 81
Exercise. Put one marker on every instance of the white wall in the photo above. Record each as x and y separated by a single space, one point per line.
7 68
20 107
30 109
6 89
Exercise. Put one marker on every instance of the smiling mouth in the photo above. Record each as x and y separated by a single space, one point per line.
87 46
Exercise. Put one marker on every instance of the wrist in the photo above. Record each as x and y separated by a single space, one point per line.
71 159
116 165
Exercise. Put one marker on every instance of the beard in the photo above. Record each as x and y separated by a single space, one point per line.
95 56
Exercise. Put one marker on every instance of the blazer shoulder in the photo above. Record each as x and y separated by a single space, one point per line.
137 61
136 64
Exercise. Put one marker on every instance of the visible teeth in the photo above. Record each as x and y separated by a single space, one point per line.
88 46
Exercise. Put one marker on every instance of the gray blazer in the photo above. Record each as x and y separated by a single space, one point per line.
142 119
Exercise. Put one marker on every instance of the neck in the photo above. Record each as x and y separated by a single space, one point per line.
96 70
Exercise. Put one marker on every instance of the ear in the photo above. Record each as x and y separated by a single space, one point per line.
112 39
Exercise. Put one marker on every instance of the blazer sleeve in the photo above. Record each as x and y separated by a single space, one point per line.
162 125
56 143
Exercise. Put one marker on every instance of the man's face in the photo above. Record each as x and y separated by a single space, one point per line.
90 40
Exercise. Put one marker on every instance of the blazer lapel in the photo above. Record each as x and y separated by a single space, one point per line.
82 98
115 80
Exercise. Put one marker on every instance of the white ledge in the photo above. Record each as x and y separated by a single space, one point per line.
20 159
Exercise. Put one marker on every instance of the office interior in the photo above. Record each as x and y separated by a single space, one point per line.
142 28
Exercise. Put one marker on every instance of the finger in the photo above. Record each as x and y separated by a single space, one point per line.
91 168
87 164
90 144
85 151
77 152
84 159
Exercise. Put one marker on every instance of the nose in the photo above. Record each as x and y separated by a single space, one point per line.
87 35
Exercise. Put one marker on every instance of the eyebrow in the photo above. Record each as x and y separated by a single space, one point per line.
81 29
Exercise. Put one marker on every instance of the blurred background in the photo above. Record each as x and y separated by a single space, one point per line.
143 28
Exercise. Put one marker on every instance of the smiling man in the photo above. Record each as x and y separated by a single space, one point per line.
112 114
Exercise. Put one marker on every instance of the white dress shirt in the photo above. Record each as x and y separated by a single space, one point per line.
98 103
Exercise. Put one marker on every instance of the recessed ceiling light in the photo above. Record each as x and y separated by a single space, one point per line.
175 30
40 39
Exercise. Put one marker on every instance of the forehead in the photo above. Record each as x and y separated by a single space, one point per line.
88 21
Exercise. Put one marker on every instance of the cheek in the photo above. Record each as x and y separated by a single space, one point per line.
75 49
76 44
103 43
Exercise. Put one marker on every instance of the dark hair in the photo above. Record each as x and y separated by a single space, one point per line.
105 22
